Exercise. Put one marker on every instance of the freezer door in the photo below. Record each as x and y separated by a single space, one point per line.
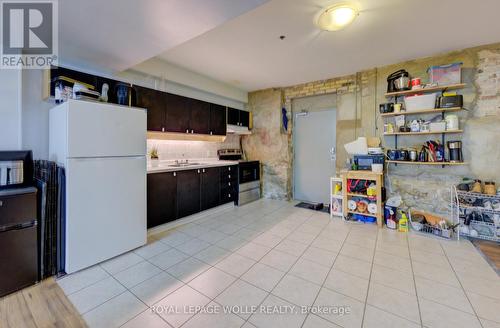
105 209
98 130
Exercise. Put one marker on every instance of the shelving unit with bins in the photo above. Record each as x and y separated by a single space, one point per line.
336 198
486 229
424 112
378 178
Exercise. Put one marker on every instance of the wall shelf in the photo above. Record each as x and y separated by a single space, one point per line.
365 214
426 90
424 111
422 133
427 163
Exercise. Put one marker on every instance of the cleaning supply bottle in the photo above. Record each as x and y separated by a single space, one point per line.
403 223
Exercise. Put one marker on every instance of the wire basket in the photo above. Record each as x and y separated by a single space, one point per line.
425 228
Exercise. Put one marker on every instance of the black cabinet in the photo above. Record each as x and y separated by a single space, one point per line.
173 113
177 113
161 198
210 188
229 184
199 121
173 195
218 120
188 192
238 117
154 102
244 118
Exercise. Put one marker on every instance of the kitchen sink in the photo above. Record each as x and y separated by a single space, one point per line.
183 164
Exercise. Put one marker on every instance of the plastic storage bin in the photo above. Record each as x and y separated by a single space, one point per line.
445 74
414 103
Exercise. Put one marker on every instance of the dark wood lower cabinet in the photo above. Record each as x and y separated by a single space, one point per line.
210 186
174 195
162 198
188 192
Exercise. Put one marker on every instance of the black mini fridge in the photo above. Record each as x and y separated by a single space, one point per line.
18 239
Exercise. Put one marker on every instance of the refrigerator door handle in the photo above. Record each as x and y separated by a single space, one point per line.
18 226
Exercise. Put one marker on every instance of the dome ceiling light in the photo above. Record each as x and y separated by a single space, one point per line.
337 17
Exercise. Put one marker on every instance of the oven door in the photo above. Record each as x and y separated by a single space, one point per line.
249 171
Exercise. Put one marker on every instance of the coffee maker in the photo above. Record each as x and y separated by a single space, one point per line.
398 81
455 151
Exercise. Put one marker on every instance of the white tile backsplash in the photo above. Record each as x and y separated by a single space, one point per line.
179 149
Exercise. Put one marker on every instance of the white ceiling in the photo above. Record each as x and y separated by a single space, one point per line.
246 52
116 34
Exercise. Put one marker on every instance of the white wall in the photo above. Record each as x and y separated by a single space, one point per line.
10 109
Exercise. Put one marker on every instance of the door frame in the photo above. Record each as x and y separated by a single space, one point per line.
289 106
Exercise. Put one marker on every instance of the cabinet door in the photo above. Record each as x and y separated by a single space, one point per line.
218 121
233 116
178 112
244 118
188 192
154 102
200 117
162 198
210 188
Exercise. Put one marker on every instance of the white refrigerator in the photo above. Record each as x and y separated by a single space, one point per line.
103 150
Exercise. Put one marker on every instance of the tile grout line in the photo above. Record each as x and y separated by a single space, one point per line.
463 289
326 277
414 281
370 277
278 282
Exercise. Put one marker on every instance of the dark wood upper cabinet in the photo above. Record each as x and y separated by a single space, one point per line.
218 120
238 117
199 117
161 198
233 116
244 118
210 188
154 102
188 192
177 113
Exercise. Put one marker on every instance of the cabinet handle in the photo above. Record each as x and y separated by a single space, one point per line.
175 174
229 176
210 132
162 129
229 184
198 171
1 202
192 131
229 195
229 168
203 170
187 131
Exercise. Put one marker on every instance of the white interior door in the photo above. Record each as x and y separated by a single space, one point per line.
314 154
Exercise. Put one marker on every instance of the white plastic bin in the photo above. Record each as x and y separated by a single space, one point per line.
414 103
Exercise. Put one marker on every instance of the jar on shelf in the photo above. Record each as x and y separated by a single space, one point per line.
490 188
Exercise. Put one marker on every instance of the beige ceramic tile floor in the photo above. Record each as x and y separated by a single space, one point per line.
279 259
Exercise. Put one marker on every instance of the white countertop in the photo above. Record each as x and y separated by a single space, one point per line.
157 166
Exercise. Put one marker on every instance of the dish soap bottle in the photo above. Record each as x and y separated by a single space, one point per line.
403 223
